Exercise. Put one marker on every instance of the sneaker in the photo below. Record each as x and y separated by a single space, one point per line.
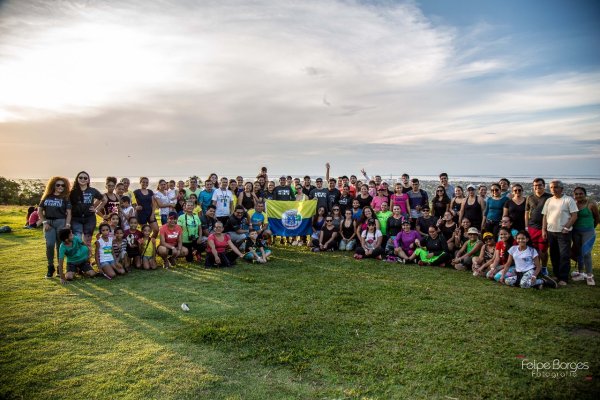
549 282
575 274
578 277
562 283
545 271
316 250
295 243
443 265
590 280
401 260
540 287
458 267
378 258
421 263
50 272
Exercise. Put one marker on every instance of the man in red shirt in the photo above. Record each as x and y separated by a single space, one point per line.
171 241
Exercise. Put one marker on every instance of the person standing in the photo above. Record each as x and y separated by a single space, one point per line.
283 191
447 186
55 214
223 200
84 200
533 220
584 235
560 213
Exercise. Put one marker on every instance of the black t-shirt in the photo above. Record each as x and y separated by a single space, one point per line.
435 246
234 223
394 225
307 190
283 193
534 206
345 202
364 202
55 207
268 195
252 244
328 233
81 204
333 196
516 212
208 224
424 224
320 195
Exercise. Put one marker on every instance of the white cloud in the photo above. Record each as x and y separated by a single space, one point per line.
331 78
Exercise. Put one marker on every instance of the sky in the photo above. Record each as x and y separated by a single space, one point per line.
181 87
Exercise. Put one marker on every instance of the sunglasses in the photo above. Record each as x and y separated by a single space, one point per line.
83 178
517 190
60 185
495 190
328 220
439 191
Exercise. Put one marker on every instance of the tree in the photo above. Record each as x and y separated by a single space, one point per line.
9 191
31 191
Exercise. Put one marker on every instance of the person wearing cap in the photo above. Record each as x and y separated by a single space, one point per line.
171 241
485 259
405 242
380 198
319 193
425 221
464 256
472 208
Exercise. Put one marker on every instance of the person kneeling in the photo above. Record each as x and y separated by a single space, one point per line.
527 264
105 254
171 241
77 254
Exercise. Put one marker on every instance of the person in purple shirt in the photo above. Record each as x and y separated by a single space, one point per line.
404 243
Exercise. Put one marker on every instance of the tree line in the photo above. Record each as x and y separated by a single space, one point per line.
21 192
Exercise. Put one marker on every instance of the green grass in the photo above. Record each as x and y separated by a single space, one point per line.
305 326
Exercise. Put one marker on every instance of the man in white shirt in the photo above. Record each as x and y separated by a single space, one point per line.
223 200
560 213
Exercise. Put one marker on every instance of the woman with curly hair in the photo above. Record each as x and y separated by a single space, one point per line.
55 214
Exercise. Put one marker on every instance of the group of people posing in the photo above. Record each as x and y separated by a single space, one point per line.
504 236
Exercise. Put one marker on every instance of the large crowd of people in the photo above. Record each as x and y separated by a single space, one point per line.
504 236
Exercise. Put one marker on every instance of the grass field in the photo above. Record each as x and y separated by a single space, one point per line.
305 326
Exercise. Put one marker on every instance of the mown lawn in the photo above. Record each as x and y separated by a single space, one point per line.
305 326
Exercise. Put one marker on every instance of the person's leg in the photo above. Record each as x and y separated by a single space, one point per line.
190 254
108 270
89 225
377 252
164 253
50 235
360 251
342 245
145 263
589 237
576 250
564 247
554 254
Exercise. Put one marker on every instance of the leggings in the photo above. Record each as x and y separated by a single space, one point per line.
52 241
376 252
583 242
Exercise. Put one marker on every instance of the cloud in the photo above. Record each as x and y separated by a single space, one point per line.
289 84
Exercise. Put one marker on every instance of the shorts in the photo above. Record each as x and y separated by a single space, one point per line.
537 241
106 264
147 258
82 267
164 219
83 225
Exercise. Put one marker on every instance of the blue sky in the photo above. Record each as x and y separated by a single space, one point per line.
177 88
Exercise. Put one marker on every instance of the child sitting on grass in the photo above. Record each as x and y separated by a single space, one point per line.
527 264
77 254
120 248
464 256
148 248
255 250
105 258
486 255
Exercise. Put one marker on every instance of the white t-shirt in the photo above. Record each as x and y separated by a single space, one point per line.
105 252
163 198
370 238
523 259
558 212
223 199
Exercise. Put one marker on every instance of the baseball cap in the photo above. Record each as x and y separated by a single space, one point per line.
472 230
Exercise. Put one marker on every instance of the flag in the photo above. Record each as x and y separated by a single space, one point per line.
291 218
